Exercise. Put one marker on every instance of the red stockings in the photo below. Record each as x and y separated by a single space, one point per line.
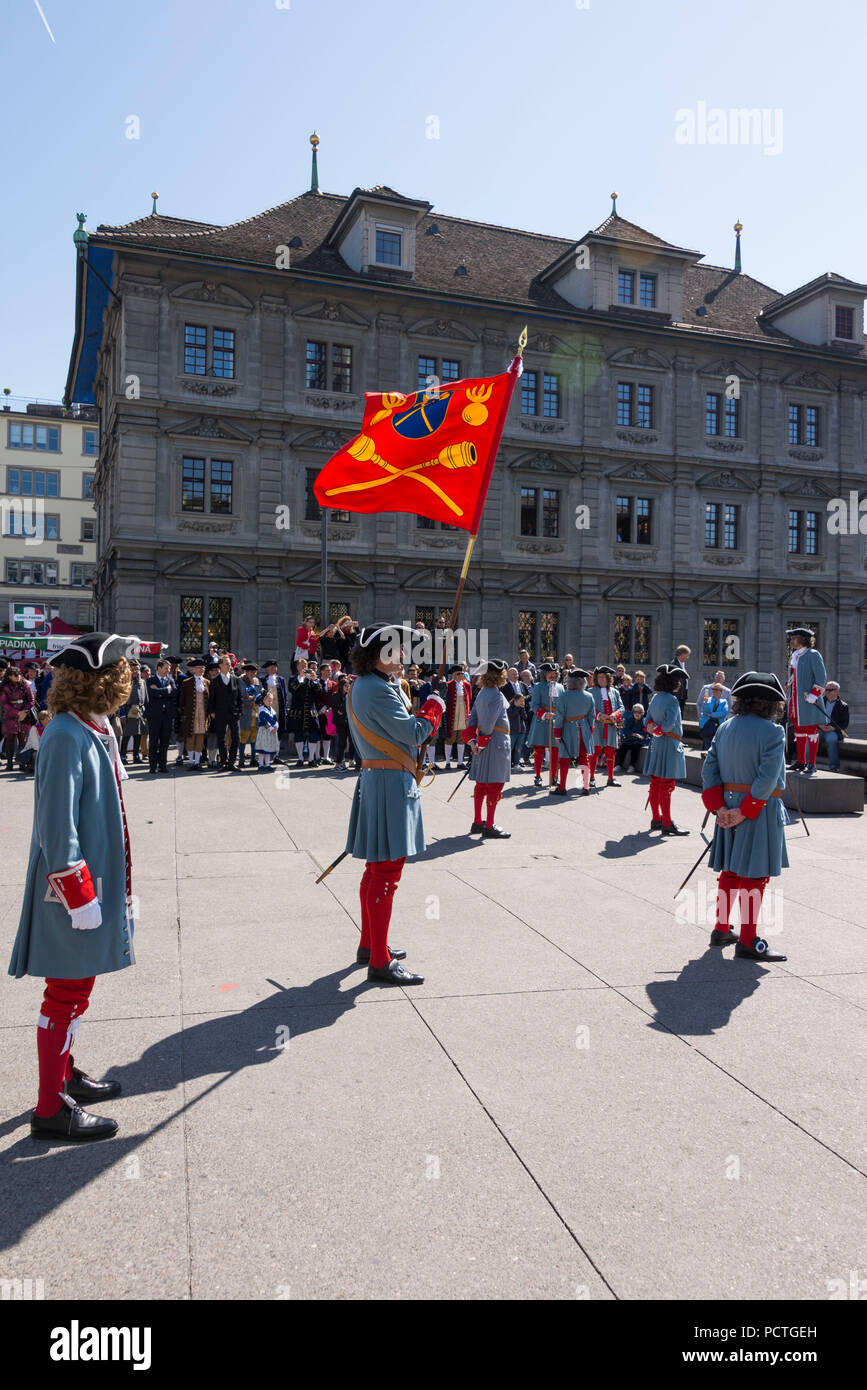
378 887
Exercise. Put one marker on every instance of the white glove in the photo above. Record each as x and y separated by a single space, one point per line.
86 918
811 699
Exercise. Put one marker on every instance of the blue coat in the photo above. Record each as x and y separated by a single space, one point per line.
544 692
76 815
751 751
576 713
811 673
490 715
713 709
664 757
385 821
606 735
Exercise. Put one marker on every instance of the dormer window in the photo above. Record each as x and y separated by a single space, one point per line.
844 322
626 280
389 246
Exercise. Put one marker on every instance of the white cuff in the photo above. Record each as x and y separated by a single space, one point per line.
439 699
811 699
86 918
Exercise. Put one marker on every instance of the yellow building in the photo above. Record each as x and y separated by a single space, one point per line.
48 525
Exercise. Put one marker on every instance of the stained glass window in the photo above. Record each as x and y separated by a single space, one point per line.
192 624
622 635
527 628
220 622
731 642
641 646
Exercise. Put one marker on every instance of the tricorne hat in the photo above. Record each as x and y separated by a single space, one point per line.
577 673
491 664
669 670
195 661
762 685
804 632
548 666
266 664
96 651
383 634
603 671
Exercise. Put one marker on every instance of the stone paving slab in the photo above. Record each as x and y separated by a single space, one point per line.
613 1109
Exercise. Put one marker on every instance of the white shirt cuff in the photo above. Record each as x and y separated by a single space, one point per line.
86 918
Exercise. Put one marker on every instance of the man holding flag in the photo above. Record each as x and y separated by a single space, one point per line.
430 453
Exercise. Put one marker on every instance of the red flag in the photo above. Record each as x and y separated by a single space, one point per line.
430 453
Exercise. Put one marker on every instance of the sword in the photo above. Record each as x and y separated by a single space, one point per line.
794 795
694 867
460 784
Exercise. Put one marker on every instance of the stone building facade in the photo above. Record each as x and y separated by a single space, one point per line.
666 469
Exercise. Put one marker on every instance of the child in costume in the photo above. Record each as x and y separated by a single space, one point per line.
385 823
490 742
665 761
609 717
76 921
267 739
576 715
743 777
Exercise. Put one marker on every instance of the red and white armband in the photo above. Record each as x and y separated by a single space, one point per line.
432 710
75 889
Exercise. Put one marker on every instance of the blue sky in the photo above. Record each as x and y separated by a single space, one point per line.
543 109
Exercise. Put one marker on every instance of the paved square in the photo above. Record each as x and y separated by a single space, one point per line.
583 1100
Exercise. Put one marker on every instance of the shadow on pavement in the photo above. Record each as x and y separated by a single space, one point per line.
705 994
38 1177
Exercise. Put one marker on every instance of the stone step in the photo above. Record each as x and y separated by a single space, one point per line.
823 794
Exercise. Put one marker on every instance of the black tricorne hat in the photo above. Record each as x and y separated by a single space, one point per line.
603 671
670 670
805 632
251 665
491 664
577 673
195 661
265 664
96 651
762 685
548 666
384 634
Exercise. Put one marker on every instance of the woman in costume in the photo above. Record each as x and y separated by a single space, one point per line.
576 715
609 717
385 823
743 777
76 921
665 762
490 743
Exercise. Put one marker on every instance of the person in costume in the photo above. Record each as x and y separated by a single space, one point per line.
194 711
251 694
543 707
490 742
665 762
807 677
267 737
743 776
458 698
609 718
305 695
575 717
76 921
385 823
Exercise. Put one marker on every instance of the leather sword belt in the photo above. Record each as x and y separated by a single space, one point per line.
743 787
663 733
570 718
383 764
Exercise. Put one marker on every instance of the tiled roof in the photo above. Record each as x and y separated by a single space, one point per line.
503 264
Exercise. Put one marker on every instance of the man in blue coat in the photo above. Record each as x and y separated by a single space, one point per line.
665 762
385 823
576 715
807 677
76 920
743 777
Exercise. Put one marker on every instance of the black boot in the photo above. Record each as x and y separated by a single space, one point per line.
760 950
611 783
72 1125
657 825
83 1087
393 974
723 938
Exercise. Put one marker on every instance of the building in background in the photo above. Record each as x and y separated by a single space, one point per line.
48 522
666 470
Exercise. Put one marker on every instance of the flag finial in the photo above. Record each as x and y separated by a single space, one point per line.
154 208
738 228
614 197
522 341
314 171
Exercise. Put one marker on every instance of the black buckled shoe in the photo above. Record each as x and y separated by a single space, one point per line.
495 832
393 974
611 783
362 955
476 828
673 830
656 825
558 791
760 950
71 1124
537 781
723 938
587 792
83 1087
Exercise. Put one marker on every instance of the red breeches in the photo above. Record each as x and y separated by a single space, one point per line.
63 1002
378 887
749 892
806 744
660 798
